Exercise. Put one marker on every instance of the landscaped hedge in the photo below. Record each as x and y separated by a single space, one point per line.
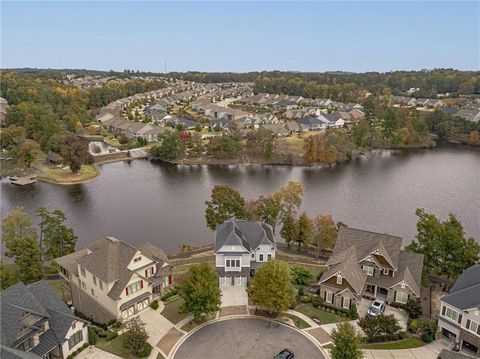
111 336
169 293
92 336
145 352
83 316
154 305
387 337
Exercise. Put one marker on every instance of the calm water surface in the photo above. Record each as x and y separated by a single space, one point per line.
141 201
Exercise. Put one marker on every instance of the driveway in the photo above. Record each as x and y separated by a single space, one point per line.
95 353
246 338
233 295
398 313
156 324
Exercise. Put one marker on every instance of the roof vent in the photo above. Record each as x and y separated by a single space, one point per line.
112 239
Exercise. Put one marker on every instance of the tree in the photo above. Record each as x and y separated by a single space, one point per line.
75 153
446 249
225 203
305 229
289 230
375 327
414 308
324 233
198 127
346 342
271 287
20 240
169 148
301 275
8 275
27 153
291 198
269 209
57 238
135 336
200 291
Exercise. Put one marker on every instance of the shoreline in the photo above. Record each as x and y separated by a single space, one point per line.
236 162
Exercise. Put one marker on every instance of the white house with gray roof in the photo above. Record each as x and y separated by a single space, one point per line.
111 279
240 248
36 323
459 318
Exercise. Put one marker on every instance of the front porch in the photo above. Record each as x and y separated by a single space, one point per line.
374 291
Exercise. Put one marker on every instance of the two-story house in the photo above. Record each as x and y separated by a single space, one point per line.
111 279
240 248
370 264
36 323
459 317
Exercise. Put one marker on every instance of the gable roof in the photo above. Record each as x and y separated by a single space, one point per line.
366 242
465 294
248 234
40 300
349 269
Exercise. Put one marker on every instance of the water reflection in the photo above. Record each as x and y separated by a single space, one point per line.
154 201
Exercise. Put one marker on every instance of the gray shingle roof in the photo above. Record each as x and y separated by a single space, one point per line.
248 234
465 294
39 299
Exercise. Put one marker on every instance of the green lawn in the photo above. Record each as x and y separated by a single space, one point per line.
115 347
312 312
299 322
171 311
408 343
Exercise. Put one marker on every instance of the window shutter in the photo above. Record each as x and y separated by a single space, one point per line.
394 295
443 310
341 304
126 291
460 316
141 284
146 274
468 324
478 329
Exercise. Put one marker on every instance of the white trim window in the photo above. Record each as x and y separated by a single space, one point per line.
473 327
369 270
339 279
346 303
76 338
329 297
452 314
386 271
401 297
260 257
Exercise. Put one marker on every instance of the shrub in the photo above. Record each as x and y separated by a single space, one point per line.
427 330
116 325
145 352
111 336
301 275
92 336
352 312
301 291
111 322
154 305
379 327
413 325
318 301
413 308
306 299
102 334
70 356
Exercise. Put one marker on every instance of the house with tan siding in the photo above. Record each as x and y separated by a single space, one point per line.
111 279
372 265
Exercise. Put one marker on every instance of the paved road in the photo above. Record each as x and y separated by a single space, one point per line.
246 338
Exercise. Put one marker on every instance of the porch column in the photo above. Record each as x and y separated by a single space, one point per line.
375 291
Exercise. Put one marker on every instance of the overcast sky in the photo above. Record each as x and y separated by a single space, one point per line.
241 36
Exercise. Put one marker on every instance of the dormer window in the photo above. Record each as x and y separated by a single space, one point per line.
137 259
386 271
339 279
402 285
82 271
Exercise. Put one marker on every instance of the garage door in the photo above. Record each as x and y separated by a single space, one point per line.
128 312
225 281
142 305
240 280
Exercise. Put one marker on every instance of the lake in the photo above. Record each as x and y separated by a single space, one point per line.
140 201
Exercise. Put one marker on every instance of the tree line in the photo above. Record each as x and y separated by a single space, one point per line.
30 249
280 208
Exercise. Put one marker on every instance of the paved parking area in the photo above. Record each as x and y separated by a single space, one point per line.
156 324
233 295
95 353
247 338
429 351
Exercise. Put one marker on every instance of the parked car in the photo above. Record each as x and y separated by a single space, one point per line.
285 354
377 308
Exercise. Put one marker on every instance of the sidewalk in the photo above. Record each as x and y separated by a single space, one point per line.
429 351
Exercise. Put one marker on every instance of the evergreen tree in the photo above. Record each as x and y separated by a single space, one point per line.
225 204
346 342
56 238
